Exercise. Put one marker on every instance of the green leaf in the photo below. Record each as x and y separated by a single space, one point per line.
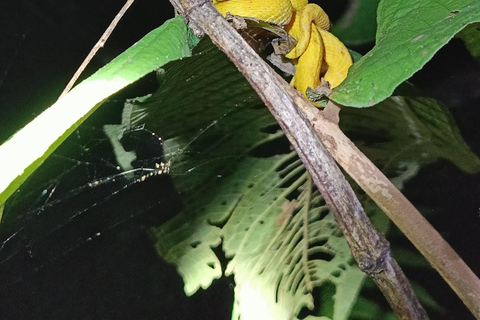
471 36
25 151
244 189
288 256
206 133
402 134
409 33
232 165
367 310
273 223
200 99
358 24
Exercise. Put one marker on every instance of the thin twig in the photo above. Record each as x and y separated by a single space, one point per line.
97 46
368 246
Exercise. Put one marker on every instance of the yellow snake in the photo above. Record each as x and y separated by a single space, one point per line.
318 53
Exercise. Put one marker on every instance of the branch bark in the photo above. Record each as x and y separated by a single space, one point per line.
369 247
407 218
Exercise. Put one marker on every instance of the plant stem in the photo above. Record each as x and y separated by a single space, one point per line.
100 43
368 246
407 218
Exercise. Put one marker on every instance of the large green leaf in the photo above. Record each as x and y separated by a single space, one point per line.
224 163
409 33
403 134
471 36
287 256
25 151
206 133
242 185
358 24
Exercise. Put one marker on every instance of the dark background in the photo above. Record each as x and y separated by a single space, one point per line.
43 43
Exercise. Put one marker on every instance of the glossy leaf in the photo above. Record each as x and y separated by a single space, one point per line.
414 131
471 36
409 33
358 25
244 189
25 151
240 172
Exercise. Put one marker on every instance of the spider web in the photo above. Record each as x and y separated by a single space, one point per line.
85 212
83 204
81 192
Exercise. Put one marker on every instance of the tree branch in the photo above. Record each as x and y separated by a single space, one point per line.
369 247
407 218
100 43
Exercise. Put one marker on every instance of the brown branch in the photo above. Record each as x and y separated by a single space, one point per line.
100 43
369 247
407 218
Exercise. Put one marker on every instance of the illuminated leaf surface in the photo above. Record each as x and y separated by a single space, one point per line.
246 191
409 133
409 34
471 36
27 149
242 172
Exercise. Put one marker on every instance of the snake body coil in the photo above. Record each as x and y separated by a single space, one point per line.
317 54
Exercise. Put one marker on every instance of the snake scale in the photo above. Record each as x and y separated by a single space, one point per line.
317 54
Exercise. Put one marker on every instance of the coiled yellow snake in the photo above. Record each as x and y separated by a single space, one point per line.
318 53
